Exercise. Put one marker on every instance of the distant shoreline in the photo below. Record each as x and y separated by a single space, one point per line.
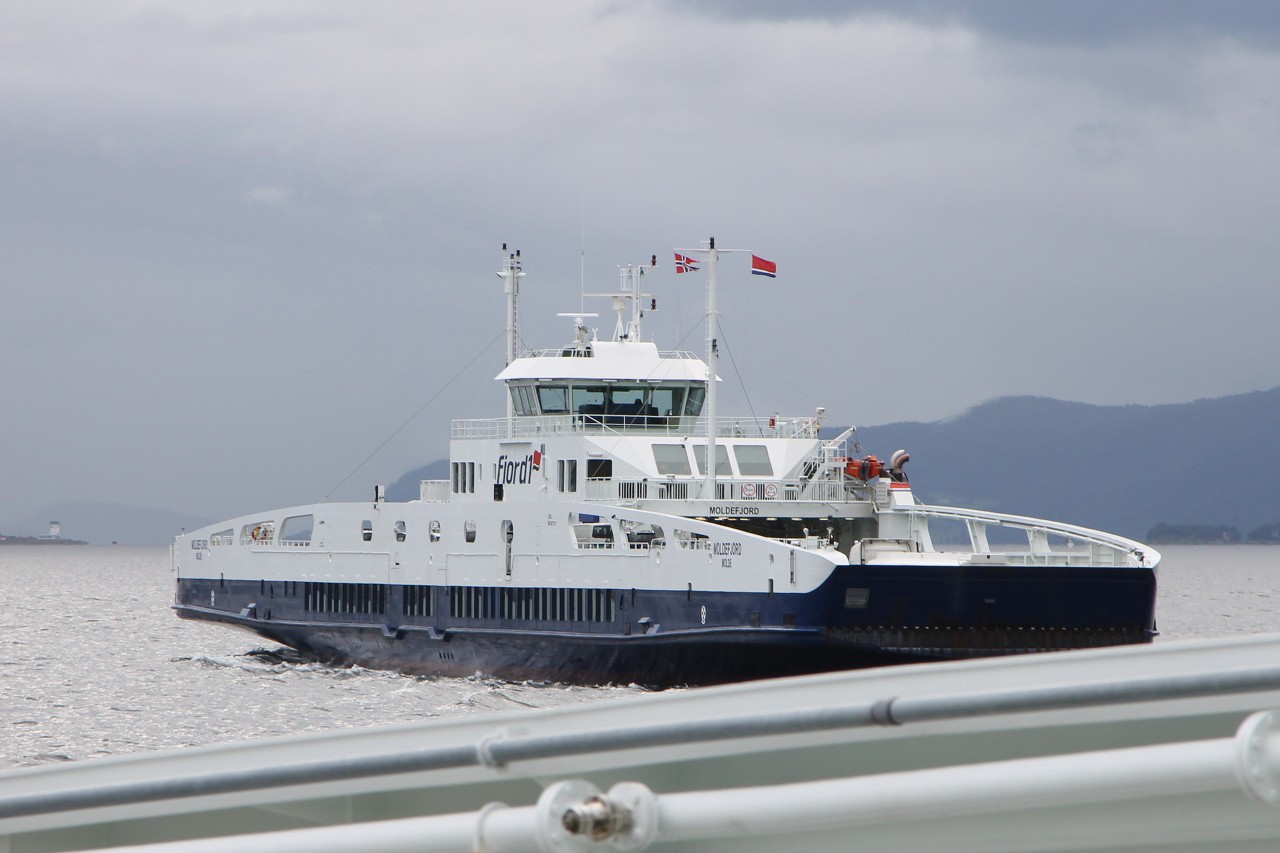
1150 541
37 540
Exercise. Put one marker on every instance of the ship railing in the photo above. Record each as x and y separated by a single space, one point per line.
571 352
684 426
1099 547
810 543
434 490
747 490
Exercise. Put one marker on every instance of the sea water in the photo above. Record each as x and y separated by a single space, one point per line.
94 663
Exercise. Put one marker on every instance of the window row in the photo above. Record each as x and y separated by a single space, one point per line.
613 403
363 598
462 476
540 605
673 459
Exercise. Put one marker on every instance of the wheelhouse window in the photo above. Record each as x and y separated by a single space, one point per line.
554 399
589 400
636 403
693 406
524 399
671 460
668 400
753 460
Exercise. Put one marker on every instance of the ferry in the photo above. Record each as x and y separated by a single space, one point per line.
613 527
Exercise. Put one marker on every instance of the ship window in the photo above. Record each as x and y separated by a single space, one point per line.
626 401
671 459
401 531
567 471
693 405
588 401
524 399
434 531
224 537
463 476
599 469
469 531
667 400
554 399
722 459
366 530
753 460
296 529
257 532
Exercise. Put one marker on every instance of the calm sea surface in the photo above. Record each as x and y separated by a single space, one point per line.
93 662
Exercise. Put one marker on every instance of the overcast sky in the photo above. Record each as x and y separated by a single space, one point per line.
243 243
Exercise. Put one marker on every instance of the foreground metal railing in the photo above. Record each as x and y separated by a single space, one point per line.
505 748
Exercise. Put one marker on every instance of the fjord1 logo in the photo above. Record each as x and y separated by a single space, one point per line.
512 471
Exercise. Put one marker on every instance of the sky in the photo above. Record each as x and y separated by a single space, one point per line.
248 249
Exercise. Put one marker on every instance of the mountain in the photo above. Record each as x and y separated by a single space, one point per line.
104 523
408 487
1123 469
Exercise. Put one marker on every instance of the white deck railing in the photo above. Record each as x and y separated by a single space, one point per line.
683 426
1100 547
739 491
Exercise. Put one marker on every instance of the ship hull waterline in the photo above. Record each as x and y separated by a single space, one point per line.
863 616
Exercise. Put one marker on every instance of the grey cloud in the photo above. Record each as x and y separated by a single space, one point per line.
240 248
1081 22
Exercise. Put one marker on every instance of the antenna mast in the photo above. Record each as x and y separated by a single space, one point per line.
511 274
713 325
713 354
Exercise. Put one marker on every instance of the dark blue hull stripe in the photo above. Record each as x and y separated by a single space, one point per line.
862 616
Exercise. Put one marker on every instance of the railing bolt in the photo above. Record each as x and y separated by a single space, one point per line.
596 818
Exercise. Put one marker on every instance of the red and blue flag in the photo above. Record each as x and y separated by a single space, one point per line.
685 263
759 266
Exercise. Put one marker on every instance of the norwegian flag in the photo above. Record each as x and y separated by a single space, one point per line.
759 266
685 264
537 459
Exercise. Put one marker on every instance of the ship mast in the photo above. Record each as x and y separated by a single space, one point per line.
511 274
713 325
712 254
